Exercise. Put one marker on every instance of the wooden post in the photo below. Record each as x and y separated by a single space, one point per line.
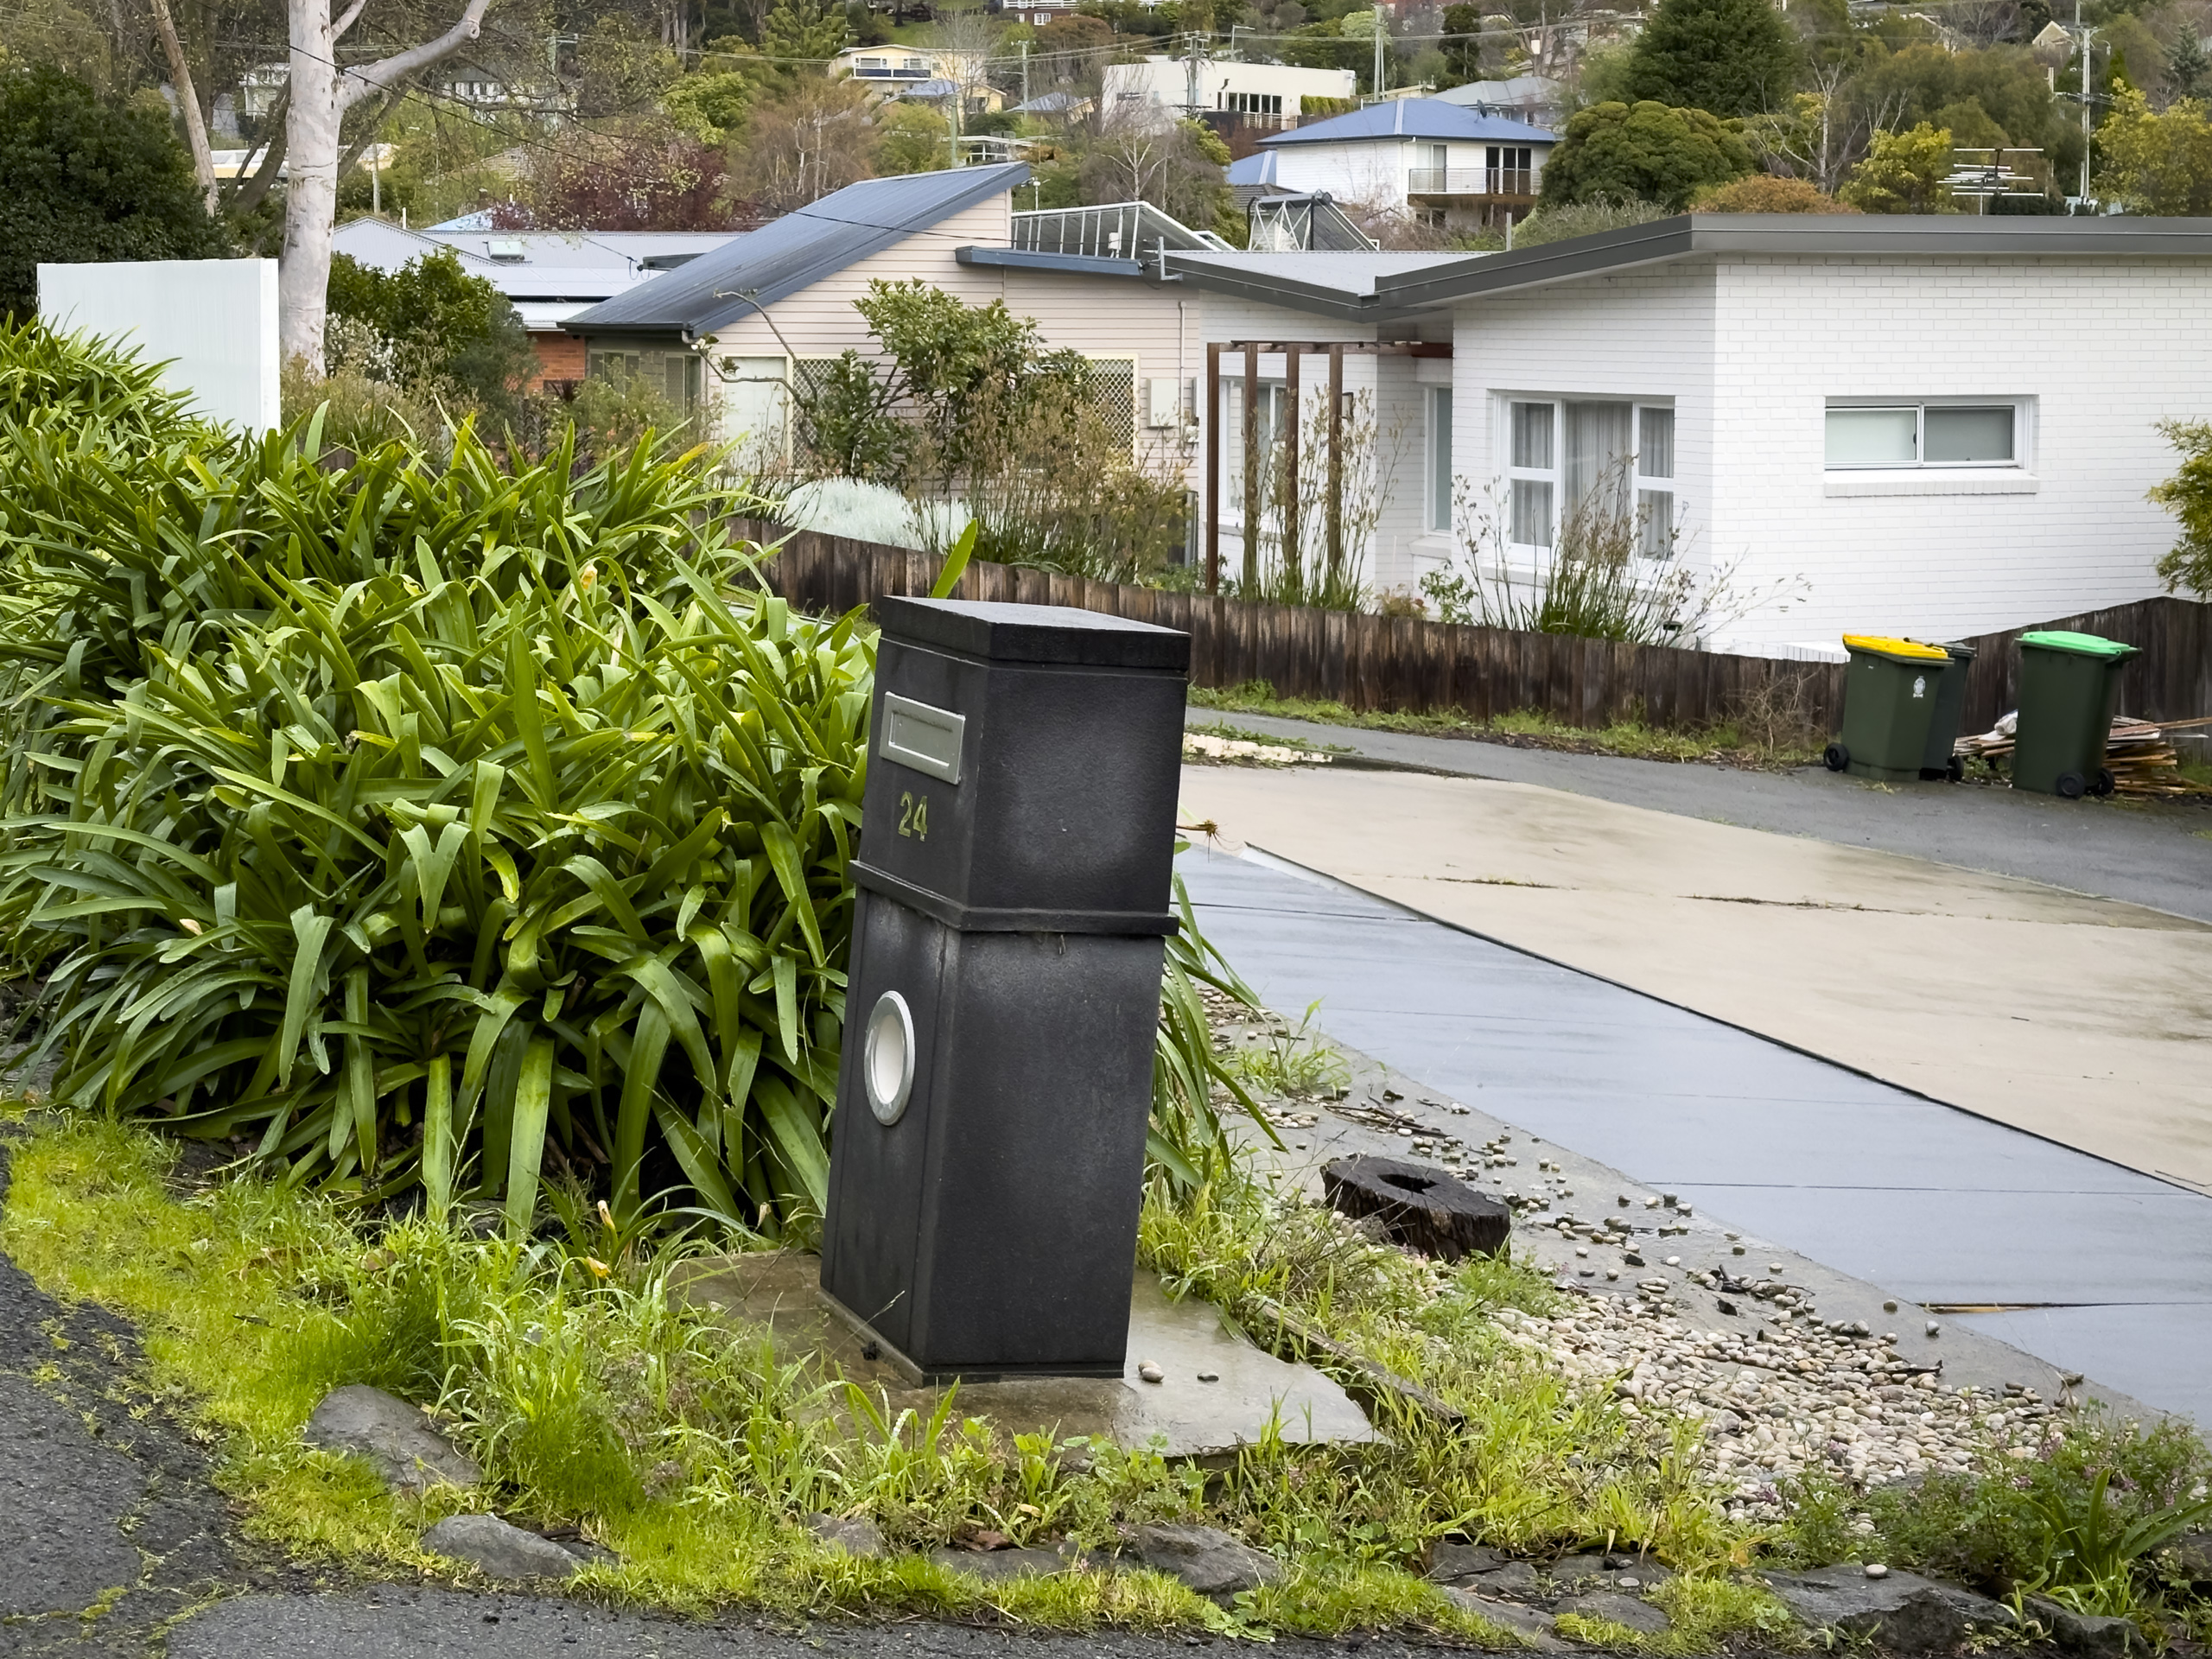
1336 461
1212 415
1294 554
1251 467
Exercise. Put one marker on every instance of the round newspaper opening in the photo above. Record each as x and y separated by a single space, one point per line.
887 1062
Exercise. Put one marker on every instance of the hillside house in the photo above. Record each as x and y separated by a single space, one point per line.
1458 168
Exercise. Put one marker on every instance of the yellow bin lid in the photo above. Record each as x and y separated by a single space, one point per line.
1881 644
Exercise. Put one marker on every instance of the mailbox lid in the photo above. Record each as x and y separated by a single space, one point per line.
1034 634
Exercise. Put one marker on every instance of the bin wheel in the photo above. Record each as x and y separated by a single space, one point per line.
2104 785
2071 785
1835 756
1955 769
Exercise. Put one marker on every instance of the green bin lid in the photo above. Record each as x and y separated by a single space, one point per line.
2082 644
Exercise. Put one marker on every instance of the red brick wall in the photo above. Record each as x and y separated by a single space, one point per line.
560 357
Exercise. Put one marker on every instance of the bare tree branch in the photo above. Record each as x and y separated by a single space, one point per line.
357 83
346 19
250 190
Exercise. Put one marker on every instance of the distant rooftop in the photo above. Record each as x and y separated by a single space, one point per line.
1411 117
797 250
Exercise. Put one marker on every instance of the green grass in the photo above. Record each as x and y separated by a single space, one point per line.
1730 743
593 1400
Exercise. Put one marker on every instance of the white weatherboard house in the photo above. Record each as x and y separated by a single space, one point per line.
1264 94
728 335
1939 426
1453 166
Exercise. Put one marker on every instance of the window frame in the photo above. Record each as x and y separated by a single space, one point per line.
1640 483
1436 493
2021 429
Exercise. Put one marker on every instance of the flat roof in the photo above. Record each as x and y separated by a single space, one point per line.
1440 280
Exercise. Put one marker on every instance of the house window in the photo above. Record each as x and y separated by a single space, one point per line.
1439 458
1532 475
1253 103
1616 458
1655 482
1889 435
673 375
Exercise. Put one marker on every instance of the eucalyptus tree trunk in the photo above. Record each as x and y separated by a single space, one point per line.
187 98
321 91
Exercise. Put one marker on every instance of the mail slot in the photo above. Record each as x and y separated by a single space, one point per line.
1013 878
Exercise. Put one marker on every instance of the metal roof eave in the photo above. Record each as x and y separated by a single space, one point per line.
1309 297
1028 259
1837 236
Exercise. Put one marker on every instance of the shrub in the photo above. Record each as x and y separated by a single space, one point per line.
1763 193
1645 150
412 824
89 178
443 324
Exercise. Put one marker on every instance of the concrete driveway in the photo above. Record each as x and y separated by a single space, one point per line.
2077 1018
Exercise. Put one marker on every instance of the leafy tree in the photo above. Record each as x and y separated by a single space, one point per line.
1902 174
648 177
1762 192
2187 65
1925 83
2152 163
1463 47
457 326
86 179
1733 57
1647 151
711 108
804 143
2187 496
810 31
912 138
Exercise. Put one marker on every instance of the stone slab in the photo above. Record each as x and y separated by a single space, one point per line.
1180 1415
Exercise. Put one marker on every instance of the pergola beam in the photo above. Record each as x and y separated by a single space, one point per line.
1291 351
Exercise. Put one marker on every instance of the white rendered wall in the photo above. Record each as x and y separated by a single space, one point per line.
2104 348
214 319
1371 172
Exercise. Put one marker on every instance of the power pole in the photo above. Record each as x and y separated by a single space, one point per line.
1193 65
2082 35
1381 24
1025 72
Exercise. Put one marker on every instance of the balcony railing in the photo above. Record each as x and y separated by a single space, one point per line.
1471 182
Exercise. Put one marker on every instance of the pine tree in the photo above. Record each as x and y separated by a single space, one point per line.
1733 57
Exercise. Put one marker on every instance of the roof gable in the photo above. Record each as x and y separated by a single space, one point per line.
760 267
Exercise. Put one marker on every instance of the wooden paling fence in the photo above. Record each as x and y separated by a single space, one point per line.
1393 664
2171 680
1408 665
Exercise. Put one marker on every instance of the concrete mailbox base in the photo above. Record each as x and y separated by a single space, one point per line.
1216 1391
969 1257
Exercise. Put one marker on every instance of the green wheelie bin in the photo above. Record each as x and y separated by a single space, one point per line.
1889 703
2070 686
1950 708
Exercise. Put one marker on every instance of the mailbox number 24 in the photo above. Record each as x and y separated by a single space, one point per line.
913 815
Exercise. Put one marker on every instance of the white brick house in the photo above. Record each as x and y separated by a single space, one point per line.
1945 426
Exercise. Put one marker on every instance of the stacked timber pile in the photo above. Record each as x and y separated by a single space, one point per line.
2139 753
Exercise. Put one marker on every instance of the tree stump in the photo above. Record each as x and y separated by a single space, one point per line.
1420 1206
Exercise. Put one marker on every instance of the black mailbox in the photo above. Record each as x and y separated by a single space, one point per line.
1014 882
